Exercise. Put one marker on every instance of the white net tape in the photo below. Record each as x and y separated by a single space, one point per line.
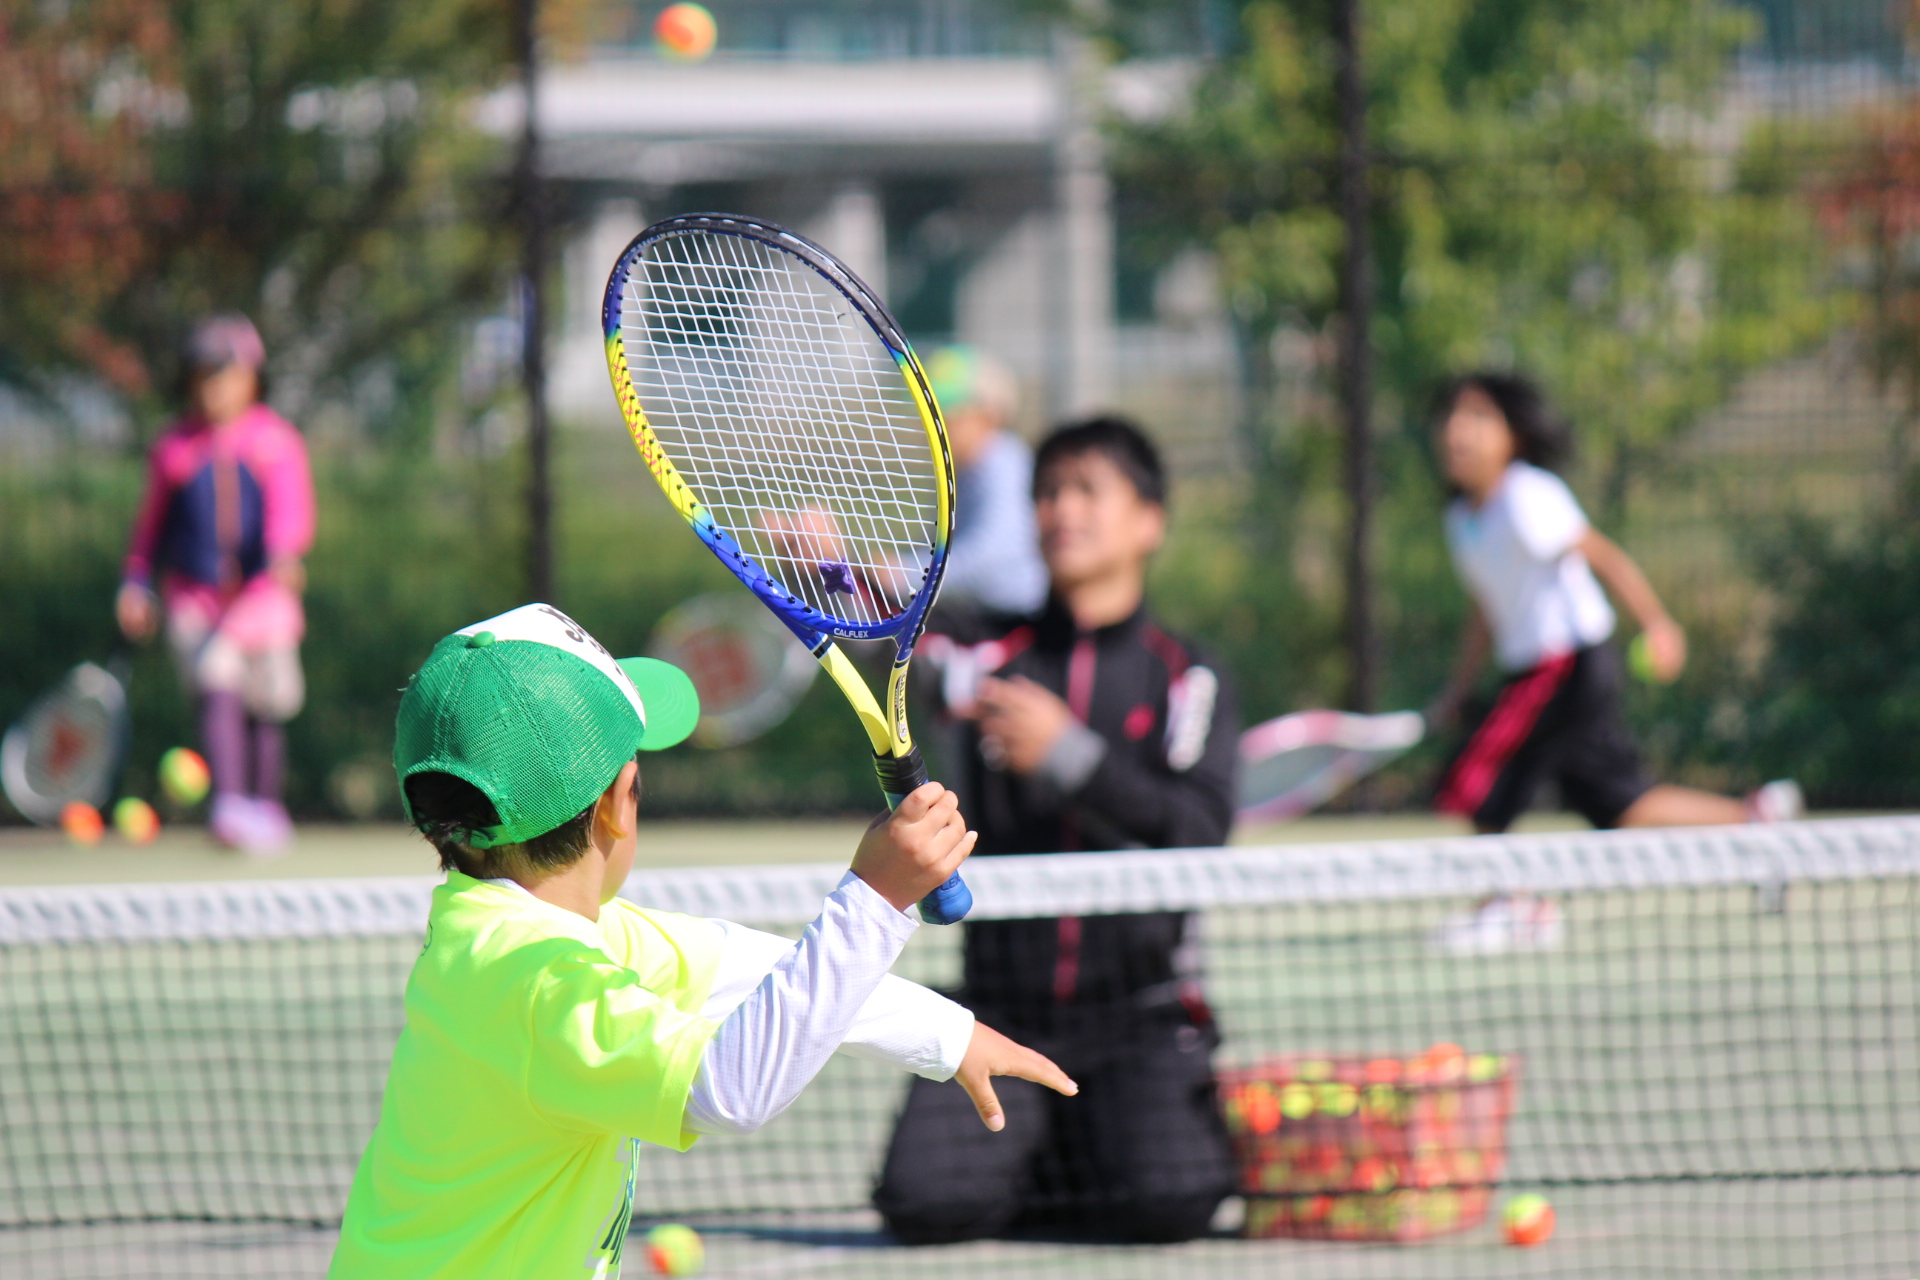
787 417
1050 885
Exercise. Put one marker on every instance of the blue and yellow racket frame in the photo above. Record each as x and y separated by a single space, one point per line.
897 761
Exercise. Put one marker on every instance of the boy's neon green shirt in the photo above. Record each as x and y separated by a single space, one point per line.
538 1044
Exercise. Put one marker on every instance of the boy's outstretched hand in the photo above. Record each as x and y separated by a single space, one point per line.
910 852
991 1054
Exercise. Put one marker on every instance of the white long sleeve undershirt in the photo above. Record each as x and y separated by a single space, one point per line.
789 1005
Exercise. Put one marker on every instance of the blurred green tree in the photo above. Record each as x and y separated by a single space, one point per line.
1838 699
1558 186
314 163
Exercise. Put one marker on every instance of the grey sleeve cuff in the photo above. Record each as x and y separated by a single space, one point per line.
1073 758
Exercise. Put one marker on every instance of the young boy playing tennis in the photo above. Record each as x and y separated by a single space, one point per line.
1529 559
550 1026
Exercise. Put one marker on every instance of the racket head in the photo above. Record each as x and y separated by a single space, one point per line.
1294 763
68 746
749 670
784 414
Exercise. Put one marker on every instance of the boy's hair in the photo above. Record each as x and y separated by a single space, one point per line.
448 810
1115 438
1540 435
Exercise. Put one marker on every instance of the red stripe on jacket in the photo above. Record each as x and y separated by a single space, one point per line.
1514 715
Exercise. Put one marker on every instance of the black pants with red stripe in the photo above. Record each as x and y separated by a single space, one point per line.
1140 1155
1560 721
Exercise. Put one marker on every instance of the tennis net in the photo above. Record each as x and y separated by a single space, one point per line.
1703 1046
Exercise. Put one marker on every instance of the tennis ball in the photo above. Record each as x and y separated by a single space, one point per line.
184 776
135 819
675 1250
1640 661
82 822
685 32
1527 1220
1446 1062
1259 1109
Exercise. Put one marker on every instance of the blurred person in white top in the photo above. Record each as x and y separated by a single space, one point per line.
993 562
1534 567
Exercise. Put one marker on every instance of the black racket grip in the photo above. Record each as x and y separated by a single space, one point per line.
900 776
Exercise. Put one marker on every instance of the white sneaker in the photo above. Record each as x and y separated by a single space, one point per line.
1777 801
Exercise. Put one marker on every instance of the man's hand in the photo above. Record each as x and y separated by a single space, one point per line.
991 1054
910 852
1019 721
137 611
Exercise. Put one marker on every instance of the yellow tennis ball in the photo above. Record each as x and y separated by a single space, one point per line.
685 32
674 1250
1296 1101
1640 660
184 776
1527 1220
135 820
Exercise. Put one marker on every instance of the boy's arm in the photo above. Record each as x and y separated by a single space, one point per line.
1666 642
779 1037
902 1024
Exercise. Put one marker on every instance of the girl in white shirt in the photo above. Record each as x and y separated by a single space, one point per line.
1526 554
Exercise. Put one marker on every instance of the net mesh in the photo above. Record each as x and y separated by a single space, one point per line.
1710 1039
787 417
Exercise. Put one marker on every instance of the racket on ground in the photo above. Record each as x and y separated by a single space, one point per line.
69 745
749 671
785 417
1296 763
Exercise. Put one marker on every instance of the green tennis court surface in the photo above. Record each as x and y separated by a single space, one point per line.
1717 1076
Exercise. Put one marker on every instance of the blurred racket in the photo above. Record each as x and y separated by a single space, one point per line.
781 410
749 670
1296 763
70 744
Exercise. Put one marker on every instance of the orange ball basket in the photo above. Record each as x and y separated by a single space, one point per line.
1352 1148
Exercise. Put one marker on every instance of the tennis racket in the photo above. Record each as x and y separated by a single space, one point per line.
749 671
785 417
1298 762
69 745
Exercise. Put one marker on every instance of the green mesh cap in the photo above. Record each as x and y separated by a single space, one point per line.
537 714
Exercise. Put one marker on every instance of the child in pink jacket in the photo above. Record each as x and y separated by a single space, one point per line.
227 516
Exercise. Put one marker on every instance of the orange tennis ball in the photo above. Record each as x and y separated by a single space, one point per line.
135 819
82 822
1527 1220
184 776
685 31
674 1250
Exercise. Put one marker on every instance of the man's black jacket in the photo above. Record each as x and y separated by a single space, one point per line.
1168 733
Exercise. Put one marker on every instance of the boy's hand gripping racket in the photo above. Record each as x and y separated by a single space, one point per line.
782 411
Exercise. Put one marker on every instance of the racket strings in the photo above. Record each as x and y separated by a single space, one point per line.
787 417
